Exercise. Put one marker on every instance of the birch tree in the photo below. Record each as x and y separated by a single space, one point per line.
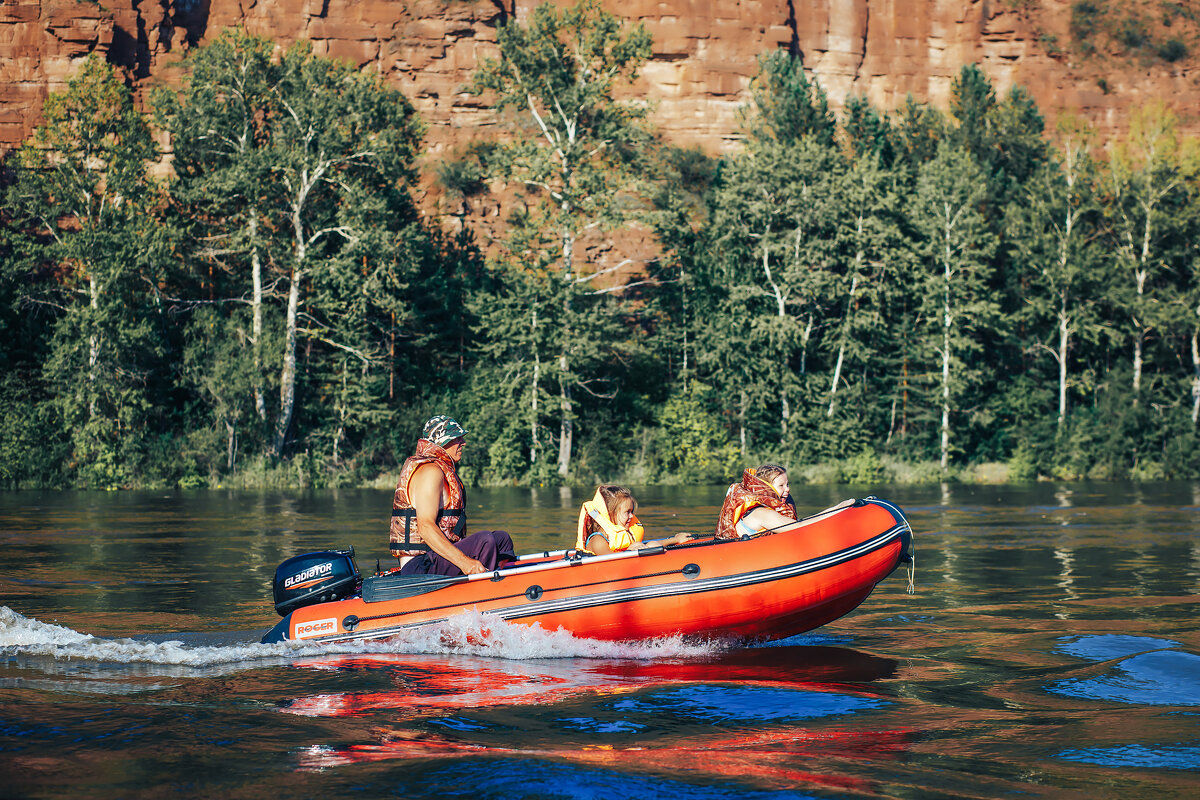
870 235
573 152
513 342
340 137
684 177
220 127
1194 341
296 172
776 222
1053 227
1144 185
957 305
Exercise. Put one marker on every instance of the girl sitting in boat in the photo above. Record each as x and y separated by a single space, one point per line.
608 524
761 502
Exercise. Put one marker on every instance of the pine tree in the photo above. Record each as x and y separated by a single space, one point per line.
787 105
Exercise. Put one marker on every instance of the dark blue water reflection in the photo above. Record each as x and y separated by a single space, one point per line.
734 704
590 725
1139 756
1161 677
505 779
459 724
1104 648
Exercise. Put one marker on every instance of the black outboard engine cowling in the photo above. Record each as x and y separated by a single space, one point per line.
315 578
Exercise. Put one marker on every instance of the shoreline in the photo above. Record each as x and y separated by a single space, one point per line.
292 476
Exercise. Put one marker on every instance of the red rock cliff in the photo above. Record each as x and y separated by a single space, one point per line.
704 51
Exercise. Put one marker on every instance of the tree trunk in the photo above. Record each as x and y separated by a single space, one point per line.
1140 274
684 320
93 344
804 339
891 423
566 428
837 367
287 376
946 322
837 376
1064 342
945 462
230 444
256 315
1195 377
534 445
1137 359
781 314
566 425
1064 319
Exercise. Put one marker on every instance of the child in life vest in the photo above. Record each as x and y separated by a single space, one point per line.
761 501
608 524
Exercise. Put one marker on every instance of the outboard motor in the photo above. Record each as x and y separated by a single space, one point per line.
315 578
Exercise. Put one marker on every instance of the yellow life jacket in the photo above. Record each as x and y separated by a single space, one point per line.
618 538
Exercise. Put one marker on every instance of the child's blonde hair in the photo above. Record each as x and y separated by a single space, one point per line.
769 472
613 495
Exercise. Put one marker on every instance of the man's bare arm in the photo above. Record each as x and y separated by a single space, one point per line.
425 491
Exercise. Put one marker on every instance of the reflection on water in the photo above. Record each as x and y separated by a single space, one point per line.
1160 677
428 682
742 704
1104 648
508 778
1051 650
1139 756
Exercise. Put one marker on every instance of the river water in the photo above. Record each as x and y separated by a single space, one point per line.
1050 650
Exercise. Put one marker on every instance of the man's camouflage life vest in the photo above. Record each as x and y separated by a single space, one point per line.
452 518
743 497
618 538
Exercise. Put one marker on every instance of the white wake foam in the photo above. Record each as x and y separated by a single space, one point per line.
470 633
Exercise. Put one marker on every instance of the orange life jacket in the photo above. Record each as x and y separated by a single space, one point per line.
744 497
593 518
404 540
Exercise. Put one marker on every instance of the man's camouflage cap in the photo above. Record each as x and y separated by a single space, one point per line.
441 430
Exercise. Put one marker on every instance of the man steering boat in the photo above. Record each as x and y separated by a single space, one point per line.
429 511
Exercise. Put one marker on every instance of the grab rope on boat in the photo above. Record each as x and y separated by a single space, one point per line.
912 573
690 570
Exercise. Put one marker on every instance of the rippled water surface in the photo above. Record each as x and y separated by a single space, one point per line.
1050 650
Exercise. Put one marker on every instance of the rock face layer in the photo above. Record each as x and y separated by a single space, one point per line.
705 53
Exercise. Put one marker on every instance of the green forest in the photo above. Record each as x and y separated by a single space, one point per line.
868 296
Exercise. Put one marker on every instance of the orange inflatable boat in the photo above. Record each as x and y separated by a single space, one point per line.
769 586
